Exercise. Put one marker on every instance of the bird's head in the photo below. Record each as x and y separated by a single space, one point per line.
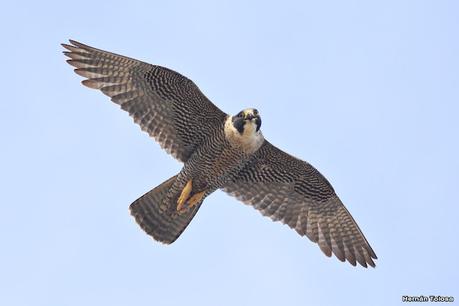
247 121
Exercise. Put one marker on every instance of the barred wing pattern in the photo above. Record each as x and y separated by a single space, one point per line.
167 105
292 191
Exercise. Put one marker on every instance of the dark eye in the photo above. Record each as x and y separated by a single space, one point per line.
255 112
240 114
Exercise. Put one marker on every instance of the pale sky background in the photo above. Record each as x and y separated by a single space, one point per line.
367 93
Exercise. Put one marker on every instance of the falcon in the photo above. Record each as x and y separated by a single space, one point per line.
218 151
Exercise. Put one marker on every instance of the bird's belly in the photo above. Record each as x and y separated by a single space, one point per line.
213 169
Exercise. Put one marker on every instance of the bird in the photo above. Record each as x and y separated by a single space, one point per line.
219 151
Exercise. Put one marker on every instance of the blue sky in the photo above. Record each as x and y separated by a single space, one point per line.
366 92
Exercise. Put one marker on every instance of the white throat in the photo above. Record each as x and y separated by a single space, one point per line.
249 141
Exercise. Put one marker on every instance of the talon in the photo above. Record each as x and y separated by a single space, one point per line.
195 199
184 195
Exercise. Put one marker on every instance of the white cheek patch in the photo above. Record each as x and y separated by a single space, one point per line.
249 141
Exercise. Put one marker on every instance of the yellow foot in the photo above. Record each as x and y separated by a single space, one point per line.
184 195
195 199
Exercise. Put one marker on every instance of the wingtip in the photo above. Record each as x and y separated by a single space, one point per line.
78 44
92 84
73 44
325 249
371 262
72 48
340 258
358 259
368 263
373 254
67 46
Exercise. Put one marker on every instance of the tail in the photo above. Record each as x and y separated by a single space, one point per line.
158 218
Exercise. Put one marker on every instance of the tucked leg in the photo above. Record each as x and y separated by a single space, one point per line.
195 199
184 195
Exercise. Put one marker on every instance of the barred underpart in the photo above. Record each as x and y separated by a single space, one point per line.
167 105
292 191
172 110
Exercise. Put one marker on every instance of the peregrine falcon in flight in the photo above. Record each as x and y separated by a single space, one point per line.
219 151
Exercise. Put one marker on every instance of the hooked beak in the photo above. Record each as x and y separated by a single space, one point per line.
249 116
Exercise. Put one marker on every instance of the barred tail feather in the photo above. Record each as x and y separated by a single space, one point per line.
159 218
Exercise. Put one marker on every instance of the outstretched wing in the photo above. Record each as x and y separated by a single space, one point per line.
292 191
167 105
